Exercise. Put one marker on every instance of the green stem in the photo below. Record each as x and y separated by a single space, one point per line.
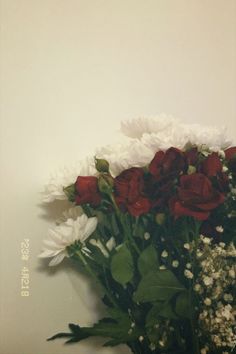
91 272
126 228
195 342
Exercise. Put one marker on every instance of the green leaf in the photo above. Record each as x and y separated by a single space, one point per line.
151 318
159 310
70 192
183 306
159 285
118 330
122 266
148 260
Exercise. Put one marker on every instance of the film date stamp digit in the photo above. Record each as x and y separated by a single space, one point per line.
25 276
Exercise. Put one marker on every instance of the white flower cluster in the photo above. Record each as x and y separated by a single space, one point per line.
216 286
66 176
66 234
162 132
143 138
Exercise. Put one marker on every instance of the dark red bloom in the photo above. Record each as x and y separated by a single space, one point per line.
191 156
212 165
87 191
129 192
158 191
230 155
168 163
195 197
222 180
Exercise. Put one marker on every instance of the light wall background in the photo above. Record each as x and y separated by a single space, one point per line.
70 71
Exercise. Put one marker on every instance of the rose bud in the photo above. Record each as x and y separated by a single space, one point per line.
102 165
160 218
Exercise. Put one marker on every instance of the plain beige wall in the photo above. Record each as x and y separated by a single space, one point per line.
70 71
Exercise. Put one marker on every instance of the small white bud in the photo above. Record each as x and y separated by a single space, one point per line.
164 254
207 281
146 236
207 301
175 264
221 153
162 267
187 246
188 274
219 229
225 169
197 287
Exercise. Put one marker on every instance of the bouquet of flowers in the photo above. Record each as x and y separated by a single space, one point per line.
153 222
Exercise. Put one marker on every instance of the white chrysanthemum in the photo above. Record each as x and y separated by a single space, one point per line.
135 128
163 131
66 234
65 177
214 138
132 153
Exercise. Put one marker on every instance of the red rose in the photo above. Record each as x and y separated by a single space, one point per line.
171 162
129 195
223 182
87 191
212 165
158 191
191 156
195 197
230 155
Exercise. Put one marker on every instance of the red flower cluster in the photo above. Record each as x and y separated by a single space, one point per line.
185 182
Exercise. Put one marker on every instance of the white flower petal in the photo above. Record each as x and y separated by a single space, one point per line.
89 228
65 234
111 243
48 253
58 259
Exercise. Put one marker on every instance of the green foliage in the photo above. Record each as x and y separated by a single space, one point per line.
70 192
148 259
117 327
183 306
159 309
122 265
158 285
